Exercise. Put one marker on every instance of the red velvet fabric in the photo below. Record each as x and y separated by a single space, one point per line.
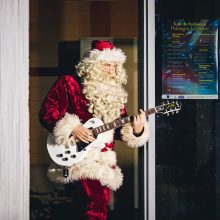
94 199
101 45
64 96
90 199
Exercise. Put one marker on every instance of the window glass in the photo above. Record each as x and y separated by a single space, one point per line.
187 144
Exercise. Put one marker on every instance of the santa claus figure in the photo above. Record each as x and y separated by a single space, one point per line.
69 104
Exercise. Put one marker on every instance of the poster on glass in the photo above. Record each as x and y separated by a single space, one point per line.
189 59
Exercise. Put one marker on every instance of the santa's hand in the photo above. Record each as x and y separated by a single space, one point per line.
139 121
83 134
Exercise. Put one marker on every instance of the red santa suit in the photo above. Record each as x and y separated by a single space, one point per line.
69 104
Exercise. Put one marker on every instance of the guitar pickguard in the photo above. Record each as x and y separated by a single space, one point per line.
80 145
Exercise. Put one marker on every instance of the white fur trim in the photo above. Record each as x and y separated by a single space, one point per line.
64 127
131 139
97 165
109 55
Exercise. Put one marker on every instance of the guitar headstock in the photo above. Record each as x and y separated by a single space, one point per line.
169 107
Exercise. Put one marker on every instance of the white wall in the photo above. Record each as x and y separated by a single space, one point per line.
14 114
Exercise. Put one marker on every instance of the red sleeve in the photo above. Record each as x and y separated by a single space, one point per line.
54 105
117 134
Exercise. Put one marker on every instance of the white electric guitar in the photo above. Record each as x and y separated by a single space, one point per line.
67 156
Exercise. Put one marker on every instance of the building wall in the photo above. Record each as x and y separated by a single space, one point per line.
14 112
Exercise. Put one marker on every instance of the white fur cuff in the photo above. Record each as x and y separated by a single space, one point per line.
131 139
64 127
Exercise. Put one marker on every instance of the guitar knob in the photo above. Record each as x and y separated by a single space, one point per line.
67 152
73 156
65 159
59 155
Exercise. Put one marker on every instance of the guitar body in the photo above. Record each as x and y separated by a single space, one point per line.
69 155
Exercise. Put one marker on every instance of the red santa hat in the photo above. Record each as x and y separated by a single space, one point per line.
105 51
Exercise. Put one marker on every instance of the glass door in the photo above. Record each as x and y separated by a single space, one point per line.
188 144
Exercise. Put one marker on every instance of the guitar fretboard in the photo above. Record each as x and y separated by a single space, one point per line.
118 122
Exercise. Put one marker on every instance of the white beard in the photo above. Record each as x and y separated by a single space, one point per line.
106 99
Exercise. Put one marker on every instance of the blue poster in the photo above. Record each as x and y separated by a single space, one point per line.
190 59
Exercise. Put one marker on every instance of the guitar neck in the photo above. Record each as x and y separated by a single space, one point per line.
119 122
